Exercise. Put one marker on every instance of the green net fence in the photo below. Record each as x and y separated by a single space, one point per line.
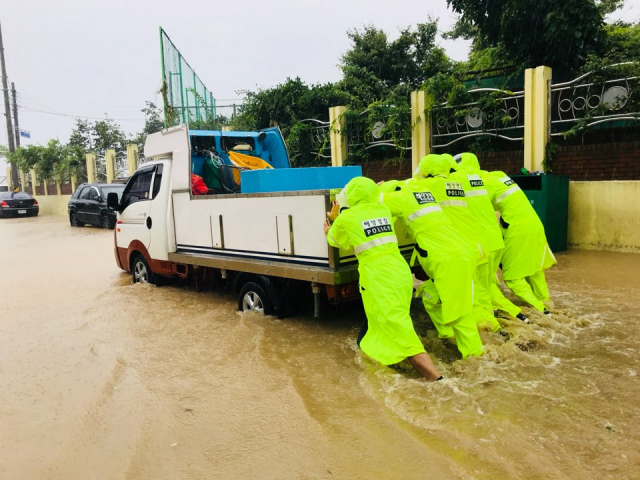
185 96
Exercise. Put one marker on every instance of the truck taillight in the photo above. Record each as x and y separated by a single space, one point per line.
4 204
349 291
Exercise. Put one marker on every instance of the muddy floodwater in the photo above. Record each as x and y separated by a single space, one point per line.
102 379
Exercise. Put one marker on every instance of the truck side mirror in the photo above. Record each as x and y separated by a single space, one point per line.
113 203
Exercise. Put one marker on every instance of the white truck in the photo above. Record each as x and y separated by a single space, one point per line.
268 247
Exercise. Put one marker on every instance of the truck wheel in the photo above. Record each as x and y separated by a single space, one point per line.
141 271
253 298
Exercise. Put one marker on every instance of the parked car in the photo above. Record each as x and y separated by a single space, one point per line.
88 204
18 204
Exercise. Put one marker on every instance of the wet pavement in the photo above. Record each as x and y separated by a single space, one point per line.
100 378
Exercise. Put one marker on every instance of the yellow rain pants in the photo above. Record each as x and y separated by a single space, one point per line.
463 329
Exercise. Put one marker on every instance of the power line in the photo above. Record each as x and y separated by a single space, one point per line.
26 109
54 105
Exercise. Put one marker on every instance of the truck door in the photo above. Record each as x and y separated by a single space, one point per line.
136 205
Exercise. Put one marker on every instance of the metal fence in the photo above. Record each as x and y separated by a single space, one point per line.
183 90
594 100
318 137
386 130
451 124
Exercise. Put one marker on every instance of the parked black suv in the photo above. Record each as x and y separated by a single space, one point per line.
88 204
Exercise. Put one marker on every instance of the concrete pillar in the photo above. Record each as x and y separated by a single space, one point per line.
420 127
537 92
34 182
74 182
23 180
9 178
110 163
58 182
227 128
338 135
91 167
132 158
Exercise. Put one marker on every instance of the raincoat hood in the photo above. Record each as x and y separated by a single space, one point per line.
453 165
434 164
390 186
361 190
341 198
470 161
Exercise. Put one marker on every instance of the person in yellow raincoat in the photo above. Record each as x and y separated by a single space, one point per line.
451 197
386 283
447 258
479 204
526 251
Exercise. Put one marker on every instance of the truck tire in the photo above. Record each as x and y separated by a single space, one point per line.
253 298
140 270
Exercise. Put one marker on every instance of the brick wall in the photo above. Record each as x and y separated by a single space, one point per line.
509 162
604 161
380 170
597 161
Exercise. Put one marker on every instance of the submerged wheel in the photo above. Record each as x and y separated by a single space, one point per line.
73 220
105 221
253 298
140 270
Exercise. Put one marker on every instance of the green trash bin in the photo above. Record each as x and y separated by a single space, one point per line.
549 196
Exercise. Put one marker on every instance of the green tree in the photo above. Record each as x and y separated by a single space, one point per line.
27 157
81 135
153 118
73 161
107 134
535 32
374 66
50 158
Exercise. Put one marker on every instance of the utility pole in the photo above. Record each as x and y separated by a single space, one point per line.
15 179
15 114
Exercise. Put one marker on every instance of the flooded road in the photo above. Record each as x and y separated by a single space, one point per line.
103 379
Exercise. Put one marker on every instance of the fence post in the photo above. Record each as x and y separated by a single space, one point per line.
34 182
132 158
537 91
91 167
110 164
74 182
23 180
338 135
227 128
420 127
58 182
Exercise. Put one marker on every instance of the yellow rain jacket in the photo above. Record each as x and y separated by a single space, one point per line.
451 197
446 257
526 250
386 283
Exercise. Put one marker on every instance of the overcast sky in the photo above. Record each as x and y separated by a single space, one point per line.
75 58
81 58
